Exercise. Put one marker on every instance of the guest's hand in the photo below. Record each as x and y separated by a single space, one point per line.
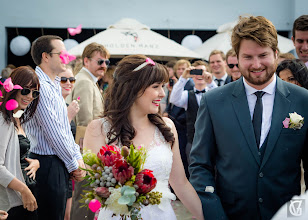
186 73
28 199
207 77
72 110
3 215
33 167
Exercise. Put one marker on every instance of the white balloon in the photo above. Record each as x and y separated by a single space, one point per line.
191 42
70 43
20 46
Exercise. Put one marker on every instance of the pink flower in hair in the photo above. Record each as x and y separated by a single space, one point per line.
150 61
9 86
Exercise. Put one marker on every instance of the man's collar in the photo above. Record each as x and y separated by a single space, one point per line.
93 77
270 88
223 78
41 74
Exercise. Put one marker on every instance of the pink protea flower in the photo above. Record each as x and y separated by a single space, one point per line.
102 192
145 181
109 154
122 171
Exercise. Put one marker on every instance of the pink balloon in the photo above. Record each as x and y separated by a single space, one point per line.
94 205
11 104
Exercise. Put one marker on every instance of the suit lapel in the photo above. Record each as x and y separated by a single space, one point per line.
241 109
280 112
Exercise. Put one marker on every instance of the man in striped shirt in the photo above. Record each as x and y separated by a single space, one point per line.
49 132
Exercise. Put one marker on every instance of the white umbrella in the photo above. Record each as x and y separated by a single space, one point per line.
222 41
129 36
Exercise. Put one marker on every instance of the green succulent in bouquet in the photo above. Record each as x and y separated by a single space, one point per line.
136 157
90 158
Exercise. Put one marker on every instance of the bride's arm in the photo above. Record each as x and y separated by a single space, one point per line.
181 186
94 137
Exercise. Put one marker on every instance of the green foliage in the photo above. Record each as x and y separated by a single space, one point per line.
90 158
136 158
128 196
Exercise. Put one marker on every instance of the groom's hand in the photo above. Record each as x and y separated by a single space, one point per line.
77 175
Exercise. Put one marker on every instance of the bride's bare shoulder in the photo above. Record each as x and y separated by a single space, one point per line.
168 121
95 127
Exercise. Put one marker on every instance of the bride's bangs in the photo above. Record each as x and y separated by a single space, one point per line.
158 74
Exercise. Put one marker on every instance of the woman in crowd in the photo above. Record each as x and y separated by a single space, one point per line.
67 84
15 195
293 71
296 72
131 116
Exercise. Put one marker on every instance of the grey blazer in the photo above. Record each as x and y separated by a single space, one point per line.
9 165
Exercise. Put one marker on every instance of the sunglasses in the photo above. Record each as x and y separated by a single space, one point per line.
232 65
71 79
35 93
100 62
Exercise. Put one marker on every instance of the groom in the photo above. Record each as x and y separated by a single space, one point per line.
245 165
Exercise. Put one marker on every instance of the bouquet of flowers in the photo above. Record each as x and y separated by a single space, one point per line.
119 182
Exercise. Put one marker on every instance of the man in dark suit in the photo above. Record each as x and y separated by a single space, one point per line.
244 164
218 65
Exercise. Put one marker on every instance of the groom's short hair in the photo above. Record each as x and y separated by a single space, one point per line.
258 29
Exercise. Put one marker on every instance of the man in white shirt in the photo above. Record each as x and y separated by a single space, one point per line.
190 100
300 37
49 132
217 60
246 153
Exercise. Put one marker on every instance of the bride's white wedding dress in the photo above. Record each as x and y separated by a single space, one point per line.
159 160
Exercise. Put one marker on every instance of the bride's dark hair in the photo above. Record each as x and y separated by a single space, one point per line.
122 93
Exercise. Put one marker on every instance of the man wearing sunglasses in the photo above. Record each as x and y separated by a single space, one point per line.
49 132
217 60
95 58
232 65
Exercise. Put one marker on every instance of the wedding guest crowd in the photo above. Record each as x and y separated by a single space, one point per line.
228 114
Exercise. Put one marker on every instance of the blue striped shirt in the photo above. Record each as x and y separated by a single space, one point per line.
49 130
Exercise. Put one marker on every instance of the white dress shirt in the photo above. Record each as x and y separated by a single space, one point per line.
179 96
268 104
222 78
88 71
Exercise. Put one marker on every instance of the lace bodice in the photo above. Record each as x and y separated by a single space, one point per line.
159 160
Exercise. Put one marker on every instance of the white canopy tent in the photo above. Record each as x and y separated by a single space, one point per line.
129 36
222 41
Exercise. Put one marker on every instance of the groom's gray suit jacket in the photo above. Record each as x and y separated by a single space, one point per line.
248 183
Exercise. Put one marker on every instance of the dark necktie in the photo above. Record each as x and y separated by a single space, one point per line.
257 116
202 91
219 82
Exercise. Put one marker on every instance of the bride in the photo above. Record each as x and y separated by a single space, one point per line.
131 117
